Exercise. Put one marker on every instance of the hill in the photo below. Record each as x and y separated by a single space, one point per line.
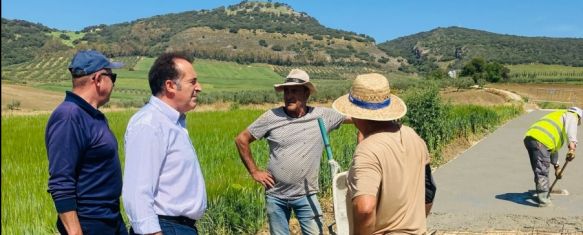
22 40
248 32
454 43
276 34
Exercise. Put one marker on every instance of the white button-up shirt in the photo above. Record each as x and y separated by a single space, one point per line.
162 173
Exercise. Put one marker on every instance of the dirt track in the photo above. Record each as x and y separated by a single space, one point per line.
489 188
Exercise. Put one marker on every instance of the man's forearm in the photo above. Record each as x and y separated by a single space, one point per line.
428 208
248 161
364 214
364 223
242 142
572 145
71 222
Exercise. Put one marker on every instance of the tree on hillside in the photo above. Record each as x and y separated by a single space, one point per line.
64 36
476 65
54 45
496 72
437 74
491 71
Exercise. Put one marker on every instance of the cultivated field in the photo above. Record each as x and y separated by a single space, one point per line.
221 81
561 95
545 71
472 96
25 99
235 201
542 73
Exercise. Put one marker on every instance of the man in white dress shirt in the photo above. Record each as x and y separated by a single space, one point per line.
164 190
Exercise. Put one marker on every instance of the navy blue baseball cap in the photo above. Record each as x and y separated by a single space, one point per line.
88 62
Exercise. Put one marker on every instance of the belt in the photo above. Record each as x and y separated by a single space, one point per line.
178 220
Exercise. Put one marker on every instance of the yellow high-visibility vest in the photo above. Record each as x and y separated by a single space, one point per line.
549 130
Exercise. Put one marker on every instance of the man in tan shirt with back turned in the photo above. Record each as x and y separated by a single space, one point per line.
389 181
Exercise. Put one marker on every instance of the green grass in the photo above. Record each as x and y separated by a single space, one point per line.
236 202
26 205
554 105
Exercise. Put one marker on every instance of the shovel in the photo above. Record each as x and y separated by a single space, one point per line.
557 179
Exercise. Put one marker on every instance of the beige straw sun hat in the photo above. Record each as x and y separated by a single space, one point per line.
370 98
294 78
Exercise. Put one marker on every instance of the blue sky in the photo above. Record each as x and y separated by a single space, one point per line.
382 19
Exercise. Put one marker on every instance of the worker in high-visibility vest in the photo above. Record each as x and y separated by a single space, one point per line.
543 141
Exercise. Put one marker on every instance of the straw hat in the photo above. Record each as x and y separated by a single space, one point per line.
294 78
370 98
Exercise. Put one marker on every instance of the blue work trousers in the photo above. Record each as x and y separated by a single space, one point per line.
307 210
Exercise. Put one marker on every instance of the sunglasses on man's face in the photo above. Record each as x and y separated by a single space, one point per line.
113 76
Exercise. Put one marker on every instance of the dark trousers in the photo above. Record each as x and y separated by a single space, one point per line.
91 226
173 227
540 159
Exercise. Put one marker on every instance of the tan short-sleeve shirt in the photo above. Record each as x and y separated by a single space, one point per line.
391 167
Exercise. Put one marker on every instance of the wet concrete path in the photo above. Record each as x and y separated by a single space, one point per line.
489 187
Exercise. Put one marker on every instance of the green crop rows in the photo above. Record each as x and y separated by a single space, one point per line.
235 201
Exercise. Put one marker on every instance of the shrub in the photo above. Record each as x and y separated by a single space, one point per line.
277 48
426 115
383 60
14 105
262 43
64 36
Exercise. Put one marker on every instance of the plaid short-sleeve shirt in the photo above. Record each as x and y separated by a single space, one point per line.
295 148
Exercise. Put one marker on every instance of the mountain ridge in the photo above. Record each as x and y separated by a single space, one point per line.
451 43
274 33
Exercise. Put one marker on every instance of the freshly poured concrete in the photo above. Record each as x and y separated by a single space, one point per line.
489 187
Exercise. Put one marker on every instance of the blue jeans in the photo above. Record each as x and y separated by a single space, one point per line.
307 210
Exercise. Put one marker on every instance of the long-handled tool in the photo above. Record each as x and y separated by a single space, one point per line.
334 166
561 172
342 212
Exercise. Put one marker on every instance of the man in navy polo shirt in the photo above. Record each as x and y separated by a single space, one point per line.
85 178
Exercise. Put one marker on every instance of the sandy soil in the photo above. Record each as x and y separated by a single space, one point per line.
30 98
472 96
554 92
